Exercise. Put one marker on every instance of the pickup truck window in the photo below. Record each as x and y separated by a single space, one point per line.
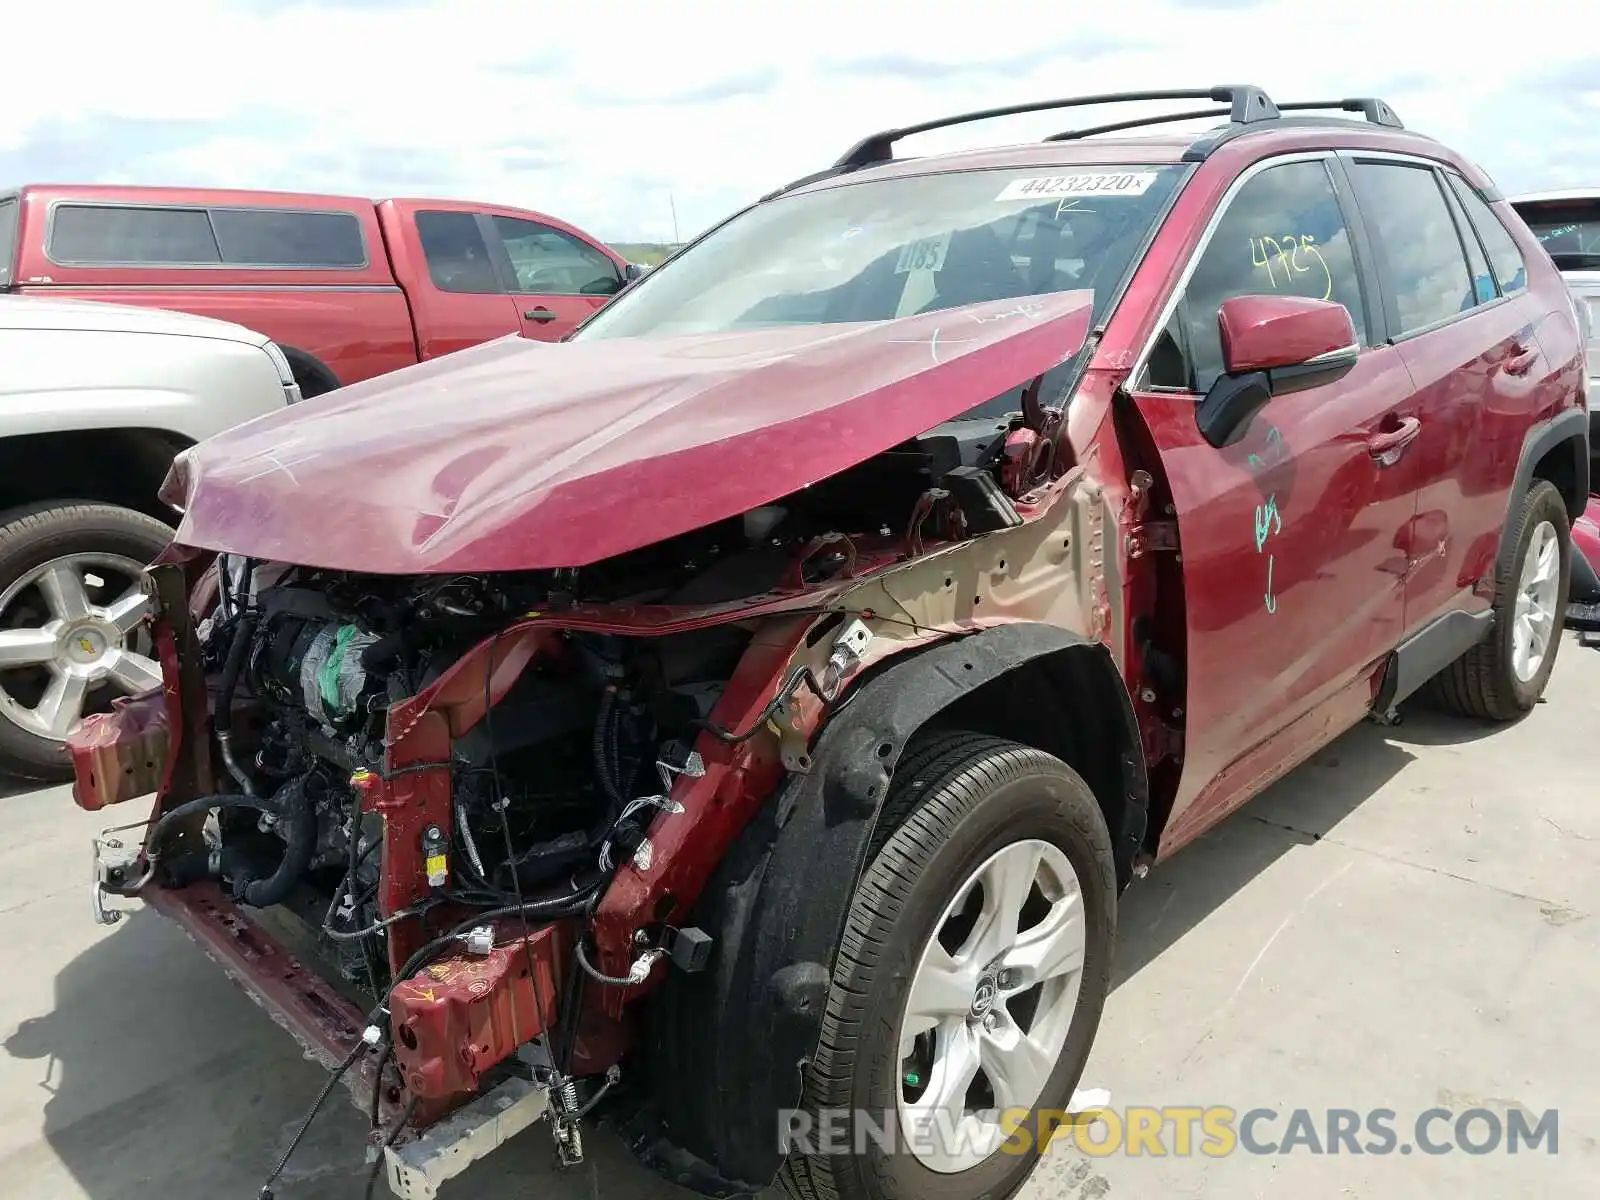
106 234
550 262
280 238
458 257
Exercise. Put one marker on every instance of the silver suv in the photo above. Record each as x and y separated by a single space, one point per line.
95 399
1567 224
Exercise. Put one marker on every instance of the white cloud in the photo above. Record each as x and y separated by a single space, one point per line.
607 113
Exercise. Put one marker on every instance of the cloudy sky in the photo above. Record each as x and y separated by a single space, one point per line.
611 112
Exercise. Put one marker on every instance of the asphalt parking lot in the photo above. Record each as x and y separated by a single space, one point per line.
1407 921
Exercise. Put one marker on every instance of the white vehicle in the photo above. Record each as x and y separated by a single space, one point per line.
95 400
1567 224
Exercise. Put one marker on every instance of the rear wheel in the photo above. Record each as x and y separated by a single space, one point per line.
970 980
72 632
1504 675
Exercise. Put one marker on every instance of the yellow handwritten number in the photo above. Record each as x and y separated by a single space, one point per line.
1258 258
1307 242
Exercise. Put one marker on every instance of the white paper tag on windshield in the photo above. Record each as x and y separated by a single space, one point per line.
925 254
1099 183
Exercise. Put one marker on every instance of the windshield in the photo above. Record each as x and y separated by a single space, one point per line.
880 249
1569 230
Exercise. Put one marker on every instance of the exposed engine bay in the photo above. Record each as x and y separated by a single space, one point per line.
558 784
544 790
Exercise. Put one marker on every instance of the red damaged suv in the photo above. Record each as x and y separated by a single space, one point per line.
748 710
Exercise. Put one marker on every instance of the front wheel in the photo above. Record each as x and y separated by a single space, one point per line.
969 984
72 632
1504 675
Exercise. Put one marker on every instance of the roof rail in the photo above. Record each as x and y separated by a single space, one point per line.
1192 114
1247 104
1374 110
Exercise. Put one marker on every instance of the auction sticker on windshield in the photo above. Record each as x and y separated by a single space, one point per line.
1099 183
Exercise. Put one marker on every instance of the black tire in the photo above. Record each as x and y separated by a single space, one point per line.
1482 682
957 798
33 535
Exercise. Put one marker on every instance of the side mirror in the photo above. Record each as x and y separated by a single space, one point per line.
1272 345
631 272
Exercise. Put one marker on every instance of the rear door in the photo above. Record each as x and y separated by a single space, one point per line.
458 297
556 277
1468 342
1292 538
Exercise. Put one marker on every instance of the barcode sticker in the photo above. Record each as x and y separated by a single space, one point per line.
1098 183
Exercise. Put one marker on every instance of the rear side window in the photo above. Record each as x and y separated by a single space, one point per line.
103 234
458 257
8 238
549 261
1510 270
1483 285
1418 247
1282 234
278 238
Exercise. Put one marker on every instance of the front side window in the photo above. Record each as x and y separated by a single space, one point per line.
1419 250
106 234
458 257
1282 234
875 250
549 262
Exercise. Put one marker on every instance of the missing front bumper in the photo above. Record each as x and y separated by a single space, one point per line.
325 1024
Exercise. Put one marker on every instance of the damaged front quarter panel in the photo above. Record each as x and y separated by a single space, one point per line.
728 1046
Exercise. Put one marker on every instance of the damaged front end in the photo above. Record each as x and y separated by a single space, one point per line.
451 828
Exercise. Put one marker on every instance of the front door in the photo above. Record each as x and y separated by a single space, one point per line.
463 301
1293 538
558 279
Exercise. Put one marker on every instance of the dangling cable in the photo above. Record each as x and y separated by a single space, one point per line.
393 1136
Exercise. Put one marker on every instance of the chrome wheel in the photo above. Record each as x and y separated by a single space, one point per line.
71 638
1534 613
990 1004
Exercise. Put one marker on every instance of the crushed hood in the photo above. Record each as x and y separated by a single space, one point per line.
517 455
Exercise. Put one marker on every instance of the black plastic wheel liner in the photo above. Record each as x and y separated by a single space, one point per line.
725 1048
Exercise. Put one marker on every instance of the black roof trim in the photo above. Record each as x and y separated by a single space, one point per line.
1373 112
1247 104
1136 123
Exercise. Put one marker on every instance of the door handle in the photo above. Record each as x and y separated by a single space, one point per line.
1386 447
1522 359
541 315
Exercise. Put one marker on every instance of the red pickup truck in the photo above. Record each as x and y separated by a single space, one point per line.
349 288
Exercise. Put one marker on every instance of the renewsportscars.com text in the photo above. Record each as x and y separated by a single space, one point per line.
1180 1130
